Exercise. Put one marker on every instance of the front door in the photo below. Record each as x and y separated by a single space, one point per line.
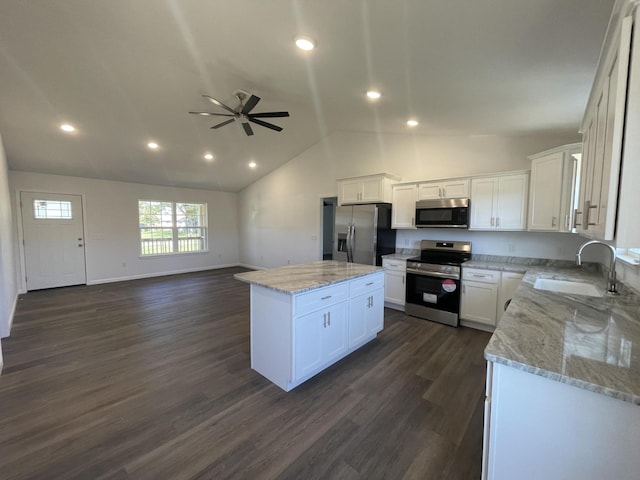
53 240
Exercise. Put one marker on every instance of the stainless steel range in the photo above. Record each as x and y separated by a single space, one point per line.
433 281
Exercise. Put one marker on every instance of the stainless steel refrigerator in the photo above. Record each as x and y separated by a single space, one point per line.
363 233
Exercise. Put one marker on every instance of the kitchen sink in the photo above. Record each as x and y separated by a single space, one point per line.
567 286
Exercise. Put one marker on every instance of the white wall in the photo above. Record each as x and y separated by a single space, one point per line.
111 225
8 286
280 214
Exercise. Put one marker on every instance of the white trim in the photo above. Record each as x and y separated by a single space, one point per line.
12 313
159 274
253 267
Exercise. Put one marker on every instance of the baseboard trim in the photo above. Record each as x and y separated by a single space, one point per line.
252 267
160 274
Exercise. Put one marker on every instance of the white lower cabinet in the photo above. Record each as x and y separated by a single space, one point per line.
366 317
320 337
485 293
395 277
537 428
294 337
509 282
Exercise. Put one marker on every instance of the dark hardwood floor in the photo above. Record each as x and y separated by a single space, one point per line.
151 379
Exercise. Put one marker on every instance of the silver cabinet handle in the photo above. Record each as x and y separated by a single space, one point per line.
329 318
575 217
413 221
497 221
492 221
326 298
553 221
403 280
370 283
480 275
444 192
324 320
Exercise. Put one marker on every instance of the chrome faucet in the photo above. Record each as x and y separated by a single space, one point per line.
611 280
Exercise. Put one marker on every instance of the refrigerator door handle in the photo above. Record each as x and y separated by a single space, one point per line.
349 243
353 241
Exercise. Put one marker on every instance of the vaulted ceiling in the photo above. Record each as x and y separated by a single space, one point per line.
126 72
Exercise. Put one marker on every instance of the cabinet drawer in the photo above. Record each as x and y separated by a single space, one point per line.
317 299
367 284
399 265
479 275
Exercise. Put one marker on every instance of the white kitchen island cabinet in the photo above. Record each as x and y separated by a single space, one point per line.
307 317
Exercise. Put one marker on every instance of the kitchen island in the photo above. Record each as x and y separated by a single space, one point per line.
563 383
307 317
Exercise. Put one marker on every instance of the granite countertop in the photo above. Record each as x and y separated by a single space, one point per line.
295 279
589 342
398 256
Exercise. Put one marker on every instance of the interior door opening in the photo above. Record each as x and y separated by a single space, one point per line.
328 224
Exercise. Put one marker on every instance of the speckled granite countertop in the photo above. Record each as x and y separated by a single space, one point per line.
398 256
294 279
589 342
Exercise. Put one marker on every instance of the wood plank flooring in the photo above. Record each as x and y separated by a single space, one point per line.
151 379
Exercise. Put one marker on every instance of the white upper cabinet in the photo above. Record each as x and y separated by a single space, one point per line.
367 189
403 208
552 189
603 127
499 203
455 188
628 227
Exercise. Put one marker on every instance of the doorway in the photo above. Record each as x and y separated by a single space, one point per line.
328 222
53 235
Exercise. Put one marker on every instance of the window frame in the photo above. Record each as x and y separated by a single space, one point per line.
174 228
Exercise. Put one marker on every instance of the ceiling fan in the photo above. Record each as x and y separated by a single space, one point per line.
246 103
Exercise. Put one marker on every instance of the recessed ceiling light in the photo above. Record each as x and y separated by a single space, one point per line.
208 156
373 94
305 43
67 127
253 164
412 123
152 145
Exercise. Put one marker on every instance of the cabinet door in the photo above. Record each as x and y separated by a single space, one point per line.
508 286
456 189
511 211
308 330
394 286
375 312
372 190
335 333
429 191
350 191
545 194
483 196
358 319
403 208
478 302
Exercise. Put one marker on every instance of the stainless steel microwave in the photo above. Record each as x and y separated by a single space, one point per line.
443 213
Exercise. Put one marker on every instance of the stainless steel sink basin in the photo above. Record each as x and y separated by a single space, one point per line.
569 287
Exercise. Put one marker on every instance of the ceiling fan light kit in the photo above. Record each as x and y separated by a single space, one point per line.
242 113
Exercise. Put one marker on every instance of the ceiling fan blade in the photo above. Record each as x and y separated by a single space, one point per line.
268 114
219 103
213 114
247 129
226 122
250 104
265 124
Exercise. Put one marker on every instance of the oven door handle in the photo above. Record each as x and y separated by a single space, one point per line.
433 274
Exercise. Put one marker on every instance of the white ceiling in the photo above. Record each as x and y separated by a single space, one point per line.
128 71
